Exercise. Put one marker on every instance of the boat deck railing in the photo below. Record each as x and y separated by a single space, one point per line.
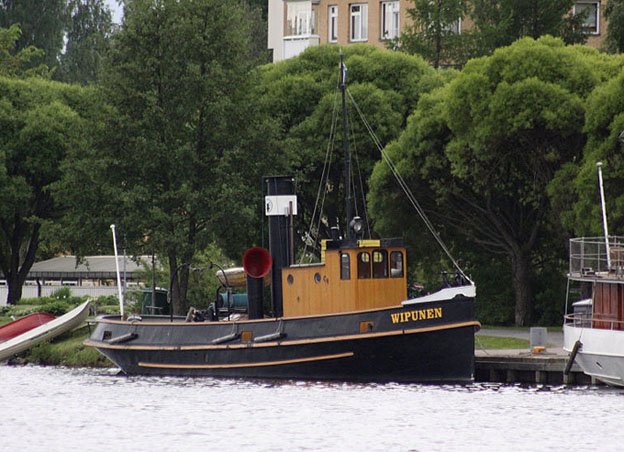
587 320
588 258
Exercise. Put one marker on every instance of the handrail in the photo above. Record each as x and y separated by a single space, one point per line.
588 321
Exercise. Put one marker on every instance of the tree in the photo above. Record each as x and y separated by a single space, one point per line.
499 23
483 149
87 41
43 26
614 15
434 32
40 121
301 94
575 188
15 63
174 170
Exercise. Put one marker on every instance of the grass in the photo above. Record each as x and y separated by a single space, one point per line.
67 350
500 343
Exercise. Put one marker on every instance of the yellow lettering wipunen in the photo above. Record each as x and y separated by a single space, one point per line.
416 315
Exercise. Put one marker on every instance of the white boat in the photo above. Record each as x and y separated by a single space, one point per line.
45 332
593 333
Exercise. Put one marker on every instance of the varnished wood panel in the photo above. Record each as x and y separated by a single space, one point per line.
318 289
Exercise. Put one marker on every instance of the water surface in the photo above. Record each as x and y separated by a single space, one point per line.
48 408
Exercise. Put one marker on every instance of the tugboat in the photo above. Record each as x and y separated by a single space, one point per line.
593 333
347 317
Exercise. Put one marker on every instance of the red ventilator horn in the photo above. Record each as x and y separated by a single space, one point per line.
257 262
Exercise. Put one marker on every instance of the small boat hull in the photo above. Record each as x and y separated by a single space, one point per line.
44 332
23 324
431 342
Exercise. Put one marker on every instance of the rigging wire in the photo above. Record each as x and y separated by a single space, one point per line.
361 187
406 189
322 188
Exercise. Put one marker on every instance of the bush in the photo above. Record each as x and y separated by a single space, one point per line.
63 293
56 308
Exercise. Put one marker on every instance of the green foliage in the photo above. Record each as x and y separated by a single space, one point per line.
432 32
88 35
482 150
43 25
301 94
614 15
500 23
178 155
67 350
40 122
575 189
17 63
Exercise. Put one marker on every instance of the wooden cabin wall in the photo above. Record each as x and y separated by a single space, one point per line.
318 289
608 306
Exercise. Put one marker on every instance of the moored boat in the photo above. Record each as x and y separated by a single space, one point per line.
346 317
23 324
46 331
593 332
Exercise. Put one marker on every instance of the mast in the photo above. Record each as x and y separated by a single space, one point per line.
345 148
604 215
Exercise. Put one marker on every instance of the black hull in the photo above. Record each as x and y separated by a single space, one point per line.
428 343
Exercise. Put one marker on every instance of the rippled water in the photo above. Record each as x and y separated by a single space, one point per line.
47 408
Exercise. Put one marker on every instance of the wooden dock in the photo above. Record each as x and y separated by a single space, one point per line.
523 366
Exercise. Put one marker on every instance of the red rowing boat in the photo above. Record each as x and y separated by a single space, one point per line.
21 325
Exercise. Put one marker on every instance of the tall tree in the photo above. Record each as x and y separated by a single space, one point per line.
40 121
614 14
177 164
500 22
484 148
434 32
16 62
43 25
87 41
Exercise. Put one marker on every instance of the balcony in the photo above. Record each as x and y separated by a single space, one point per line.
295 44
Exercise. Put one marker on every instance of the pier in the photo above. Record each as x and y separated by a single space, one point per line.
526 366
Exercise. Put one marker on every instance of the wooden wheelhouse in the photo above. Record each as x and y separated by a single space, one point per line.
352 276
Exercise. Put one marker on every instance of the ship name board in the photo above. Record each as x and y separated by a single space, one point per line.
416 315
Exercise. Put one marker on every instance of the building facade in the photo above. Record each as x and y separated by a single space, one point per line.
295 25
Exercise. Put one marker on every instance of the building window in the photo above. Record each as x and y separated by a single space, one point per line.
591 15
359 21
364 267
345 266
389 20
380 264
396 264
454 28
332 26
299 18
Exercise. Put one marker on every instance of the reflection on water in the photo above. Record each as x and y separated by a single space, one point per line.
95 409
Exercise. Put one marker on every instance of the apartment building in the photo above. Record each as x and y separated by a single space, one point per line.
295 25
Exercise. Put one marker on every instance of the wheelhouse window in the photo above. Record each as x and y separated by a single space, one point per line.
389 20
332 26
591 16
345 266
364 265
380 264
396 264
359 21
